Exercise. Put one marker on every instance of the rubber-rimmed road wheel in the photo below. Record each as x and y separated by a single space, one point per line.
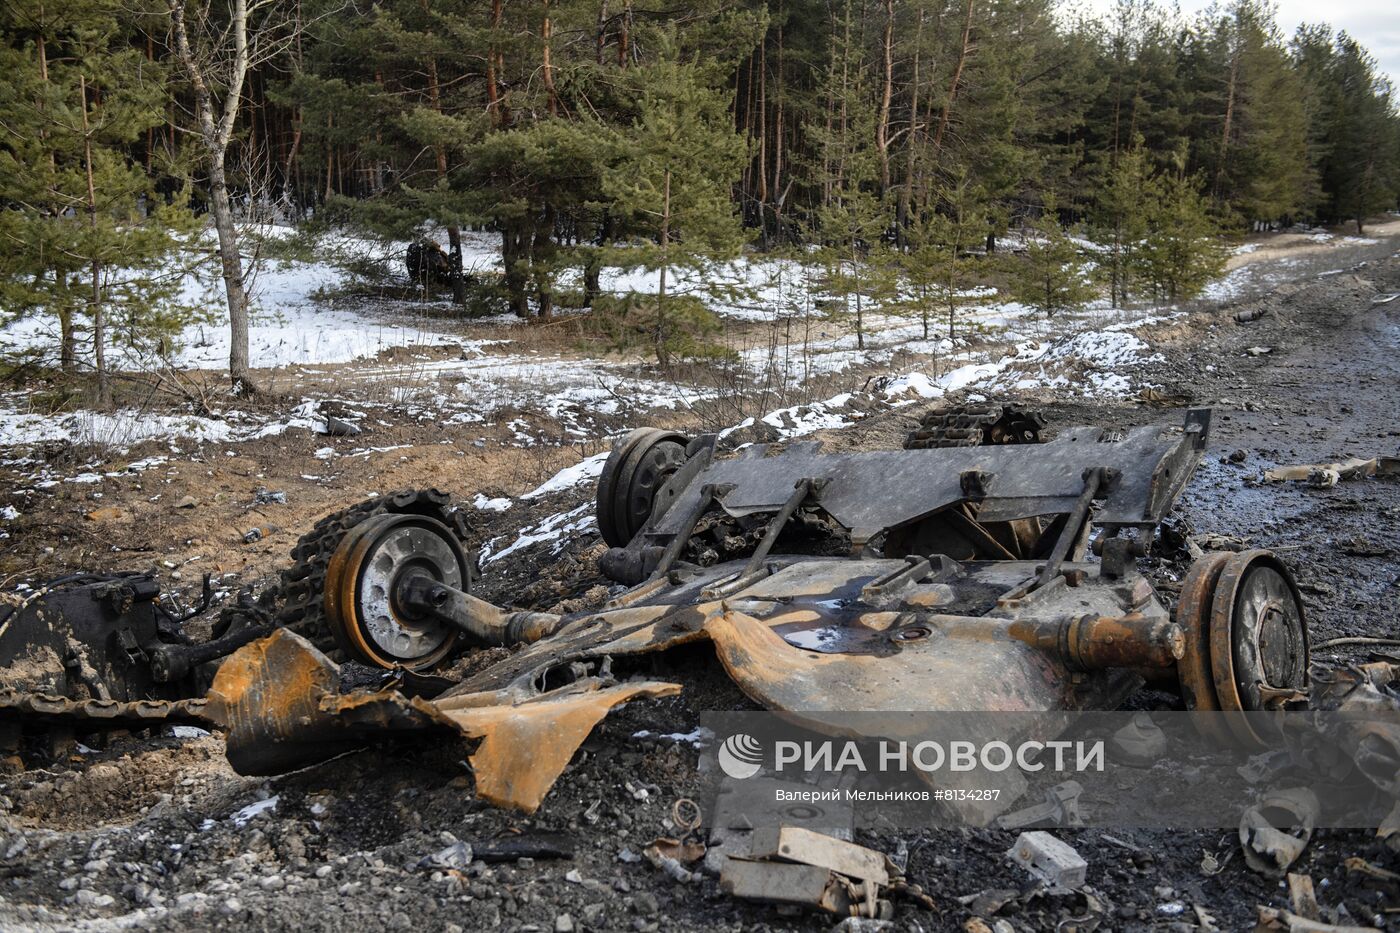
634 473
1193 671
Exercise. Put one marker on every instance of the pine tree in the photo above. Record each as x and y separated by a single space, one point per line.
1255 155
851 221
1122 215
86 237
1181 252
939 265
1053 276
671 184
1362 171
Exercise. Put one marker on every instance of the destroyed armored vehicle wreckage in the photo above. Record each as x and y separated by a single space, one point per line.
977 569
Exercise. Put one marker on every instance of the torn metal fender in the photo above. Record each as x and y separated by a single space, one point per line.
279 699
950 667
525 747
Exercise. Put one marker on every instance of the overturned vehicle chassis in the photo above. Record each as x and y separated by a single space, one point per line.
984 571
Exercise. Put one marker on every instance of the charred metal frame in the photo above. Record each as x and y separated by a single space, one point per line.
870 494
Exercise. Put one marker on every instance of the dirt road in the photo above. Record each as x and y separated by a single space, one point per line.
161 835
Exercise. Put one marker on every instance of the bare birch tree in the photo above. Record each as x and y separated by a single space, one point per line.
216 53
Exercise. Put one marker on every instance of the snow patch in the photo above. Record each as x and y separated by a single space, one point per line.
490 505
254 810
585 470
556 528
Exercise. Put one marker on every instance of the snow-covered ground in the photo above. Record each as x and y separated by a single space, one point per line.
299 322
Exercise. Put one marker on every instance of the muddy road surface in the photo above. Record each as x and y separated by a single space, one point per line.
158 833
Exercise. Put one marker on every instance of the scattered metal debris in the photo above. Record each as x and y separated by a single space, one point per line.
1140 744
339 427
535 845
1060 808
1371 740
1053 862
795 844
1324 475
799 885
456 857
669 864
1276 920
1374 875
1389 830
1276 830
790 865
1301 896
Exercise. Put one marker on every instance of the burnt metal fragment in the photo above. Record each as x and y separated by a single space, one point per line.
92 653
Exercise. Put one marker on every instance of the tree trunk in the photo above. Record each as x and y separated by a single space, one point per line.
67 341
330 160
602 36
963 50
99 352
289 164
541 261
778 142
546 64
289 188
454 233
215 137
1229 119
593 264
67 337
513 238
493 68
746 175
845 96
762 126
830 121
662 354
855 275
231 261
625 36
882 122
906 192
